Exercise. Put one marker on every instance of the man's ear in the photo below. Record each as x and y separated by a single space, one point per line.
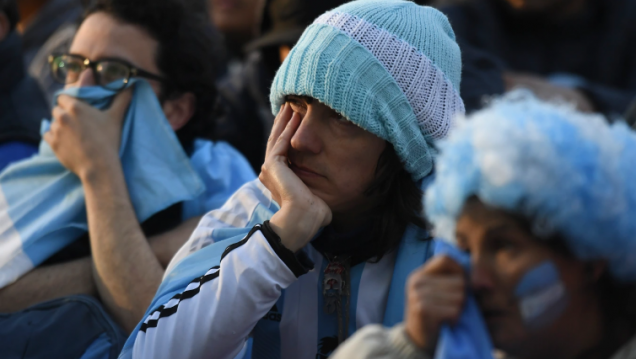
5 26
179 110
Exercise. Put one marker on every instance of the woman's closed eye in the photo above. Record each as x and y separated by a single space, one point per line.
499 244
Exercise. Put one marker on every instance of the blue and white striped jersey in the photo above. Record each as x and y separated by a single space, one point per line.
229 294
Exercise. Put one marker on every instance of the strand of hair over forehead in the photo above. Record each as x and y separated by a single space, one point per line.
569 173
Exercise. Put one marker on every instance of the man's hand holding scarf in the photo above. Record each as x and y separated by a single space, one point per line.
86 139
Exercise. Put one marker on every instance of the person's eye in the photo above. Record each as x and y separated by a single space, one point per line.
504 244
340 119
73 67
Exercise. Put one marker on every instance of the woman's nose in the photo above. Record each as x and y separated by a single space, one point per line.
308 135
481 277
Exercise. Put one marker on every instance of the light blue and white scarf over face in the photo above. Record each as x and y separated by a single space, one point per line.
42 205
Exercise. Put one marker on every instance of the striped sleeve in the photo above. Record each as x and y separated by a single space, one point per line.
216 313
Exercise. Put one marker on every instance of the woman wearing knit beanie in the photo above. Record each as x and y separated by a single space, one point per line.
323 243
543 200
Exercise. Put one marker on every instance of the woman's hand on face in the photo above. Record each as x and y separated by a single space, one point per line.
302 213
435 296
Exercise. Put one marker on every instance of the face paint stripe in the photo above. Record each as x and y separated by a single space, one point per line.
541 295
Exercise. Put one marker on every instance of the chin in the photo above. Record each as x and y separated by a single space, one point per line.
318 192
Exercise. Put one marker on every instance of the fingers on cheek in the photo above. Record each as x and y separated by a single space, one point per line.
280 113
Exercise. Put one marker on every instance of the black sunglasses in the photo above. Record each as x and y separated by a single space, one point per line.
111 74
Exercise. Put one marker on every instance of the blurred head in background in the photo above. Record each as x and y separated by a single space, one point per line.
547 6
238 20
8 17
288 19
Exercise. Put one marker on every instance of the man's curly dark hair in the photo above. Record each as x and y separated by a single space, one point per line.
189 53
10 9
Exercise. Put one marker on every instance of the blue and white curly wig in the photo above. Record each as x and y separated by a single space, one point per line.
568 173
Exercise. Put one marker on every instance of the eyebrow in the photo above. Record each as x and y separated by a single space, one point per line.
493 231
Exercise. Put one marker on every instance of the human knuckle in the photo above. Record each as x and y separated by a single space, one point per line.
73 107
417 307
415 279
413 295
411 283
65 120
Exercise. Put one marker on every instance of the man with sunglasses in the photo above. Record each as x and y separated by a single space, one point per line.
174 49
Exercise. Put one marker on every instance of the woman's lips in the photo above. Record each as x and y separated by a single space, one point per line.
301 171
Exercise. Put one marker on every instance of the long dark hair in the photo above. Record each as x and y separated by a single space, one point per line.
399 203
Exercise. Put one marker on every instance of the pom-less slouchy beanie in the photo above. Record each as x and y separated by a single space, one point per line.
390 66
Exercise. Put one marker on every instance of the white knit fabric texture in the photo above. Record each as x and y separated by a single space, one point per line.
431 95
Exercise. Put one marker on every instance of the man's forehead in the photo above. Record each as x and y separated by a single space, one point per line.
102 36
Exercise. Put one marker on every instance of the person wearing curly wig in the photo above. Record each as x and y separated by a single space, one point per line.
542 199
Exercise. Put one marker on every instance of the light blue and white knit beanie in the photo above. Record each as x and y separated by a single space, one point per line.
570 174
390 66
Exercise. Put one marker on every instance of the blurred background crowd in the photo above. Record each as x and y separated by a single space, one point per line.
212 72
580 51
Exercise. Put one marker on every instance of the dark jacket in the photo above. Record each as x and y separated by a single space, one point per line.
596 48
22 105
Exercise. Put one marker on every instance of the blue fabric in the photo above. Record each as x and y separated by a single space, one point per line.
45 330
412 253
468 339
43 203
99 349
15 151
223 170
